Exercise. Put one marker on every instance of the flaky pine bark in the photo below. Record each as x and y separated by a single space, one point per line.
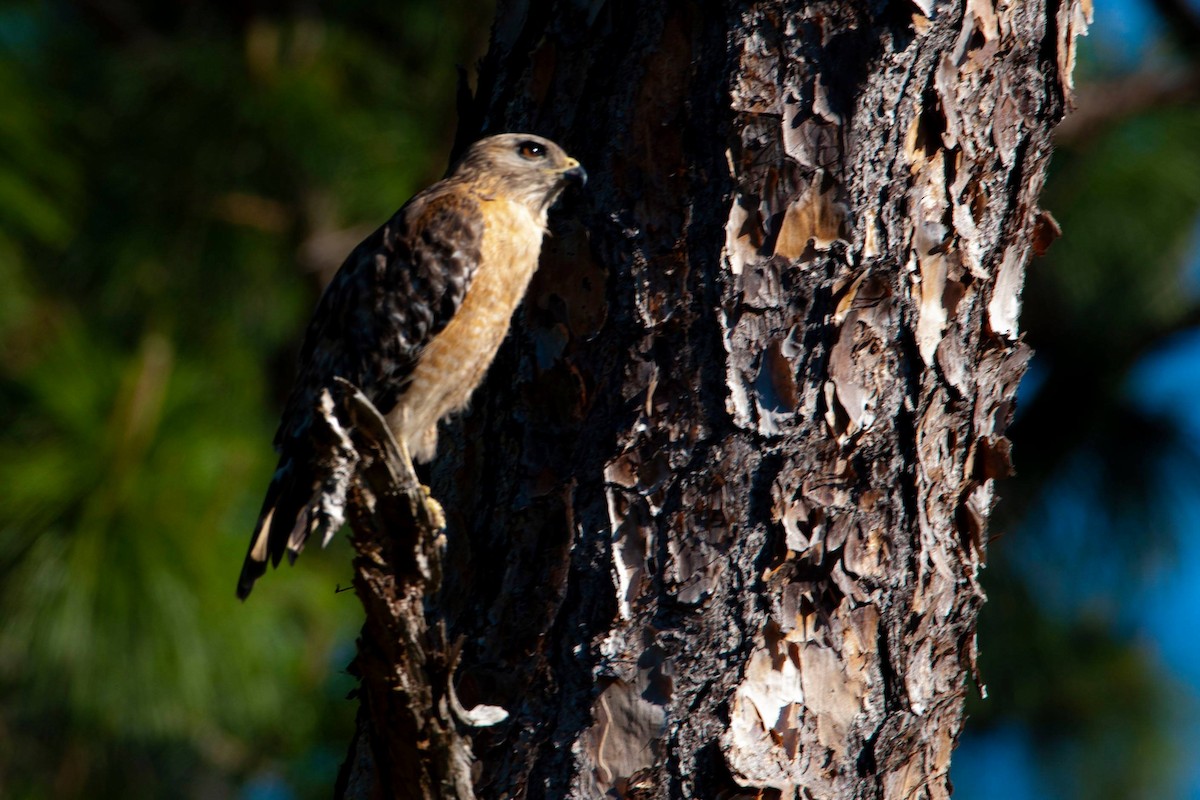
717 517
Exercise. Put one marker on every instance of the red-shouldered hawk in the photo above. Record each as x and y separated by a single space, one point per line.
414 318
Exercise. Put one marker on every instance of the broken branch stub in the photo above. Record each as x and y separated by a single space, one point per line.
405 662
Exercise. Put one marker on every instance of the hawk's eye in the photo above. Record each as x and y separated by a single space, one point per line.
531 150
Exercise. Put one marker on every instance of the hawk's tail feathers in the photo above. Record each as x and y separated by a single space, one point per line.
300 502
285 509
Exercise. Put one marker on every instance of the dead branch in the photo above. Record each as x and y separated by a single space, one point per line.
410 740
1100 106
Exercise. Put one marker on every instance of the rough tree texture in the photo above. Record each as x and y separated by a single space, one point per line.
717 517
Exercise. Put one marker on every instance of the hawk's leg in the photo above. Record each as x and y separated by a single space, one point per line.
434 515
368 420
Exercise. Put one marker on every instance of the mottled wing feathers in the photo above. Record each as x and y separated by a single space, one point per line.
396 291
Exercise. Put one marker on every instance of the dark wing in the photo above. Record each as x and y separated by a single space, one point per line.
394 293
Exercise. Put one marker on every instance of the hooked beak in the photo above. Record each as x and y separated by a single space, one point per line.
575 173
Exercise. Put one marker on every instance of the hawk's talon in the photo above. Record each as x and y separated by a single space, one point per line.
435 515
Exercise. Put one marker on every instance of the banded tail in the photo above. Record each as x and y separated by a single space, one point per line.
292 512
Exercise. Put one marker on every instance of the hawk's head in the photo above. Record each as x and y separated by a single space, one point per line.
525 167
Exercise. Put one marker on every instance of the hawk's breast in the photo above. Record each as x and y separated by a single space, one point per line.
454 362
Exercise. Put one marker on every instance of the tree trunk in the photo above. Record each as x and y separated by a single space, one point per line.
717 516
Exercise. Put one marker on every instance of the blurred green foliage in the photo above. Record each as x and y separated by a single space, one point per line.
176 180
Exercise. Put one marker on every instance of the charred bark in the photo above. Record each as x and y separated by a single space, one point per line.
717 517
